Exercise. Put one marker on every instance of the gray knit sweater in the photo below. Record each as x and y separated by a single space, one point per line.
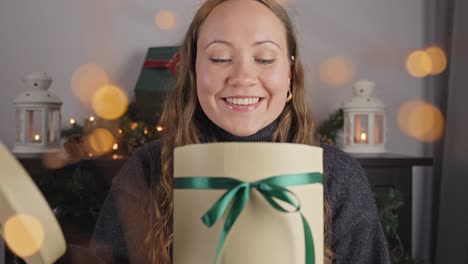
357 235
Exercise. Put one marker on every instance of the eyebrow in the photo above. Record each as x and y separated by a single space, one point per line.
257 43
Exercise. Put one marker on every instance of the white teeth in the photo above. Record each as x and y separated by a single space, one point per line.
243 101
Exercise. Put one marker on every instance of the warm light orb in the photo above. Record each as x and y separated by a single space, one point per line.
91 118
24 234
110 102
72 121
419 64
55 159
337 71
421 120
115 146
86 79
438 59
363 136
37 137
101 141
159 128
165 19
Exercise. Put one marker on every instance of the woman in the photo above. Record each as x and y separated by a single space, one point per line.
239 78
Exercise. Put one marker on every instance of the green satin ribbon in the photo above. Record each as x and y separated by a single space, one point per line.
238 193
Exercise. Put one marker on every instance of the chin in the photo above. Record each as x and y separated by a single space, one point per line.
241 131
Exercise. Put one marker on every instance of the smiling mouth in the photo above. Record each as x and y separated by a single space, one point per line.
242 101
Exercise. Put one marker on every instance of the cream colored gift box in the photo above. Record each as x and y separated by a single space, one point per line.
28 225
261 234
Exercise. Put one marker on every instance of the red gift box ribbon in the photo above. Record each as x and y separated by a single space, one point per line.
171 64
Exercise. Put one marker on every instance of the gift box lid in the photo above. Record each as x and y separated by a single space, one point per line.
154 82
156 78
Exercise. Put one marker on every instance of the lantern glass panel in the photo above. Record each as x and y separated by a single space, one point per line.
346 129
361 129
53 130
19 121
34 126
378 129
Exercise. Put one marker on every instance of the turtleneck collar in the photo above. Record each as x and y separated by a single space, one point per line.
215 133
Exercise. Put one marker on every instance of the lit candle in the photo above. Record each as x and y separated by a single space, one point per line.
363 136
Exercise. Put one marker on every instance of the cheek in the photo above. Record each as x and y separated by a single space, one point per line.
208 80
277 81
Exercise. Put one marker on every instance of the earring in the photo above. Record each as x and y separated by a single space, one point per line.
289 97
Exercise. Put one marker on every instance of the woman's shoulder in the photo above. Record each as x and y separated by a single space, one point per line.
141 168
339 161
344 178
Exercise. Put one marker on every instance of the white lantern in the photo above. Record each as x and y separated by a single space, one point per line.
38 117
364 121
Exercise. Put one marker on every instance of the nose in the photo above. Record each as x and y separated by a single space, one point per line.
243 74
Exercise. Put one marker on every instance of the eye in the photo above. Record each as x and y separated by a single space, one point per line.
265 61
220 60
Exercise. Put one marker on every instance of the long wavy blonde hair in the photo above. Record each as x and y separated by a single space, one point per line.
180 122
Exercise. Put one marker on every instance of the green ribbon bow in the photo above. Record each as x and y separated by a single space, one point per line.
238 193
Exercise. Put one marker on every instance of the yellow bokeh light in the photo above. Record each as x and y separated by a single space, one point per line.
110 102
421 120
72 121
115 146
159 128
363 136
101 141
24 234
337 71
165 19
86 79
55 159
419 64
438 59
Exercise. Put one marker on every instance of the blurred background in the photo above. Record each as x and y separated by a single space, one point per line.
415 51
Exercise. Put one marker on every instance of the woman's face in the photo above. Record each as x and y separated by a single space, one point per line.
243 68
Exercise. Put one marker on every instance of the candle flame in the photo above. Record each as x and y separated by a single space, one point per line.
37 137
72 121
115 146
159 128
363 136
